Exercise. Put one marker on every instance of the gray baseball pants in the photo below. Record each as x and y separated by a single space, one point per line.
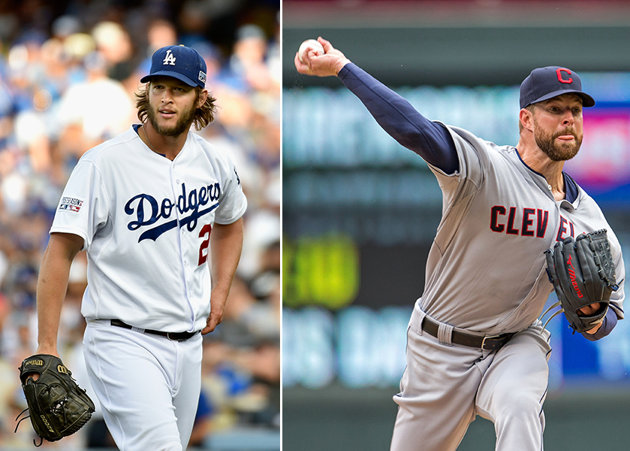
445 386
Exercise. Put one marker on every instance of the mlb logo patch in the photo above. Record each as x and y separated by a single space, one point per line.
70 204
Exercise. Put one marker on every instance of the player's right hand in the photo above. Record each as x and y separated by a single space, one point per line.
327 65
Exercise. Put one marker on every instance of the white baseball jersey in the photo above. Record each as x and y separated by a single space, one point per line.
486 268
146 223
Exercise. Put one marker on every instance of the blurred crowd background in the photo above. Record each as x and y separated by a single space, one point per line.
68 73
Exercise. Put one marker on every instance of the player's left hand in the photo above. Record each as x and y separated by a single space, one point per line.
57 406
582 272
590 310
215 317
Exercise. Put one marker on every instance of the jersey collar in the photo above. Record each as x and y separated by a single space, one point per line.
571 189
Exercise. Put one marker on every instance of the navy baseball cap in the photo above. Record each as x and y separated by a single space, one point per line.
180 62
544 83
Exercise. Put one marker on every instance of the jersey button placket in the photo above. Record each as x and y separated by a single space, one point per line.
177 191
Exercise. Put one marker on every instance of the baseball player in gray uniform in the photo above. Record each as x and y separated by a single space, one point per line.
159 213
475 343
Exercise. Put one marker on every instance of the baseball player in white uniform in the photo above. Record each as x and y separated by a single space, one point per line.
159 213
475 343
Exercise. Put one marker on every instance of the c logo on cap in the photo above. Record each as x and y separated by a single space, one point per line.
559 72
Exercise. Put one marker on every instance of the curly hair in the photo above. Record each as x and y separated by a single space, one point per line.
203 115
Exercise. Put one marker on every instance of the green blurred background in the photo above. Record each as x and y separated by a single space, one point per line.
359 211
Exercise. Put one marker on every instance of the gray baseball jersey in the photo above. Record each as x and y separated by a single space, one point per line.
486 268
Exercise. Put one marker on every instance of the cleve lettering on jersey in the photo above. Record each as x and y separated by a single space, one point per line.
519 221
565 229
146 210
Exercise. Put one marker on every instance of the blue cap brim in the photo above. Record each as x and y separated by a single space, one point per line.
587 100
166 73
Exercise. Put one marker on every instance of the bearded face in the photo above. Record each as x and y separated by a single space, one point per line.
558 126
557 149
185 120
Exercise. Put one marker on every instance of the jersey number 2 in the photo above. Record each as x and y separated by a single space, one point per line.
203 249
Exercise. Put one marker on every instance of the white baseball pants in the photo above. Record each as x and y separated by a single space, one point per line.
148 385
445 386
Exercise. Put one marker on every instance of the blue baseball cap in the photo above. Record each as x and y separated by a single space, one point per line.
180 62
544 83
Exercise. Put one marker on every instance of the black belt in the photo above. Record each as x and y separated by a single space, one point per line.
489 342
177 336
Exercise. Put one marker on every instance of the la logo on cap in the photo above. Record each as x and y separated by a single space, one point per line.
180 62
169 58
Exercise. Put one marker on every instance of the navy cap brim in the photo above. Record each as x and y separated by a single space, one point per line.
587 100
166 73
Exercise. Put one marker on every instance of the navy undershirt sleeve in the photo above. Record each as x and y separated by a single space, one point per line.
610 321
570 188
401 120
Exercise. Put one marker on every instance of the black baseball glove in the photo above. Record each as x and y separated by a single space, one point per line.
582 272
57 405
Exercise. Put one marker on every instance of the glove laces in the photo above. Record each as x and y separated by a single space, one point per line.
554 314
19 421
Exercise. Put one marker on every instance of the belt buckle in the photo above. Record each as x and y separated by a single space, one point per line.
179 336
483 342
170 336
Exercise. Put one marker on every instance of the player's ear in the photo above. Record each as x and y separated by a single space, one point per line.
526 119
203 96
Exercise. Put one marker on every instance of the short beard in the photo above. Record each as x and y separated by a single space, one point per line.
558 152
181 126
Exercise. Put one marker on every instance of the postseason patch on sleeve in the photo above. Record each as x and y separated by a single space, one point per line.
70 204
